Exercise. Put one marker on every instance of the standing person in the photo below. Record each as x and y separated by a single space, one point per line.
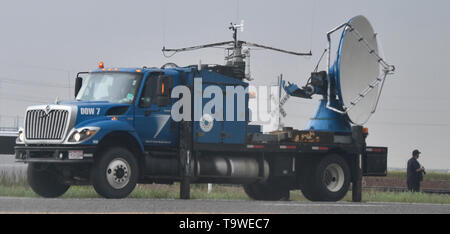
414 172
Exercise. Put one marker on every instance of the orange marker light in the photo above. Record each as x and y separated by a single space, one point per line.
110 69
116 69
114 118
366 131
138 70
162 88
101 65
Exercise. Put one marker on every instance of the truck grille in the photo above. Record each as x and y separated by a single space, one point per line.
40 125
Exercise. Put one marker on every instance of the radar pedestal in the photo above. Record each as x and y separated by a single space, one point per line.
328 120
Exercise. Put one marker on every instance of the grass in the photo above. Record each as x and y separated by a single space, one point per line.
13 178
405 197
141 191
224 193
428 176
15 184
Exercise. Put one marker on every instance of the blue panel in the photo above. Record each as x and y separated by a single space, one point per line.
202 135
235 131
226 132
213 136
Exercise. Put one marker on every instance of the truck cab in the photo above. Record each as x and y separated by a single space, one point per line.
126 108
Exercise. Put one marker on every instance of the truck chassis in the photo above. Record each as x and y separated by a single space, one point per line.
267 170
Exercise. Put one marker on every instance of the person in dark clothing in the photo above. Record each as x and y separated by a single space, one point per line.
414 172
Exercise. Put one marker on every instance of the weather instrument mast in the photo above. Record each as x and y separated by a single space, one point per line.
238 55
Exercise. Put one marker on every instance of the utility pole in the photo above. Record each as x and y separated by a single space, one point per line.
280 81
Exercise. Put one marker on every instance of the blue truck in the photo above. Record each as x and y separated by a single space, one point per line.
120 131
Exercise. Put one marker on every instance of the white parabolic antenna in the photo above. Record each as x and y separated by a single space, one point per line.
357 69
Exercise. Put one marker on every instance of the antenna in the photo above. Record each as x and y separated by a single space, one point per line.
238 26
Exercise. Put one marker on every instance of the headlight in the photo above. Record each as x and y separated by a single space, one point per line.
21 136
83 134
77 136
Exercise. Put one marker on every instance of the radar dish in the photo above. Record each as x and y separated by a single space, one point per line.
357 69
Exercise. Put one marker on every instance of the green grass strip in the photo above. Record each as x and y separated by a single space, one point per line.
224 193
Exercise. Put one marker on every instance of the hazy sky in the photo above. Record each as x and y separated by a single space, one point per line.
44 43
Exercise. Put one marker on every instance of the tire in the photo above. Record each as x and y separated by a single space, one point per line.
327 180
266 192
45 181
308 189
115 173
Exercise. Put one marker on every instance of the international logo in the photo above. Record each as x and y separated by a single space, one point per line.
47 111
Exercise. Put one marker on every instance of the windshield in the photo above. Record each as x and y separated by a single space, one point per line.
112 87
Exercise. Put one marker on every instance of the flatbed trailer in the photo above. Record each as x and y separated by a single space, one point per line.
282 166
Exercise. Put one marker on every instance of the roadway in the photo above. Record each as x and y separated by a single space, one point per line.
173 206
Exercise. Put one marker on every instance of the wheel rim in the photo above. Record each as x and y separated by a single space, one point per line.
118 173
334 177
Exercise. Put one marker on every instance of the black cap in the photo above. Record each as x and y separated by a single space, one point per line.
416 153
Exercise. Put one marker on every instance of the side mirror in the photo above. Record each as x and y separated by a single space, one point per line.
78 84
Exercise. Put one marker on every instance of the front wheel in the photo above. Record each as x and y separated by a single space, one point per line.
45 180
115 173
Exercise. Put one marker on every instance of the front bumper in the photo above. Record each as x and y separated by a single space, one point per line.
55 154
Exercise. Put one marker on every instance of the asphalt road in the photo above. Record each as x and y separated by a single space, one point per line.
42 205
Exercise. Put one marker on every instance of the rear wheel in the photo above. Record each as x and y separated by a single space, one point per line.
45 180
115 174
327 180
267 191
308 189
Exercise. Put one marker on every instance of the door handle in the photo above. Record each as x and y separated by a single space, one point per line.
147 112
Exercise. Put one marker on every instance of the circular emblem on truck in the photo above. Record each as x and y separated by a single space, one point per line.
206 122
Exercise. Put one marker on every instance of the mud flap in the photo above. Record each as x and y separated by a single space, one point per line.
375 161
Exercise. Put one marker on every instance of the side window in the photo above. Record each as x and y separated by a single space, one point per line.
157 90
164 85
147 93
